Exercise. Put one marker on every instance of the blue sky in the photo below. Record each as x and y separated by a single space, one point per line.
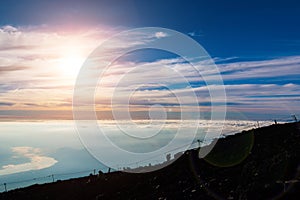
255 44
249 29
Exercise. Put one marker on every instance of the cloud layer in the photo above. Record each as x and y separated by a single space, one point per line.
37 161
39 67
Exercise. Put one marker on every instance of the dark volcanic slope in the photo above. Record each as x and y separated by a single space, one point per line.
258 164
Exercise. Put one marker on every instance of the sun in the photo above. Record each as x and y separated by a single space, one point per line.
70 64
71 57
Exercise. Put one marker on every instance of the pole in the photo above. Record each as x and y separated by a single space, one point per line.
52 178
295 118
5 188
199 143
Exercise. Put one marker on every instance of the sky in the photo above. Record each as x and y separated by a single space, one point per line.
255 45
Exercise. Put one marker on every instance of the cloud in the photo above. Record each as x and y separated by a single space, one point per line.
161 81
6 104
160 35
8 29
37 161
195 34
6 69
285 66
32 64
18 47
35 79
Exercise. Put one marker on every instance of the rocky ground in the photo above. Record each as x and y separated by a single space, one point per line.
256 164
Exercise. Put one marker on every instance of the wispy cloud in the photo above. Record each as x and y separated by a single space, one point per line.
195 34
7 69
284 66
38 65
161 35
160 82
43 77
6 104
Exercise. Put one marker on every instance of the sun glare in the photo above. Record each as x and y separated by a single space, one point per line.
72 54
70 64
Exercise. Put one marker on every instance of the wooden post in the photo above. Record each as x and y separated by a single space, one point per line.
199 143
284 183
295 118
